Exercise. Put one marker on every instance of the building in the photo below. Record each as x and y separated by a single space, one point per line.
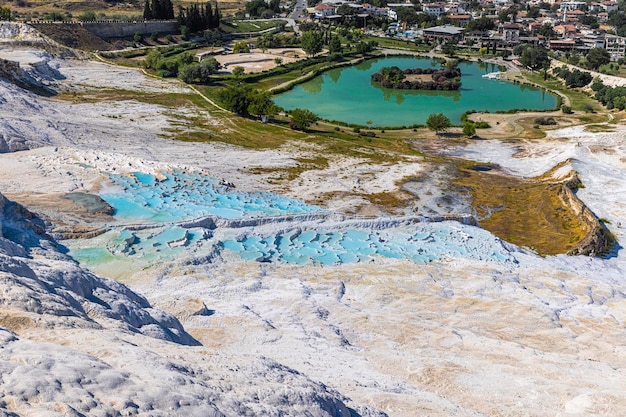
323 10
616 46
447 32
435 9
510 33
573 5
460 20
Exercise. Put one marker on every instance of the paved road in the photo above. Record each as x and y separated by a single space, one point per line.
298 10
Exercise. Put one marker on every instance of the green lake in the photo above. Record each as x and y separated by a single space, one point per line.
348 95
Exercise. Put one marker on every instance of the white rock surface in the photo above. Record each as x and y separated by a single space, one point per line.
543 337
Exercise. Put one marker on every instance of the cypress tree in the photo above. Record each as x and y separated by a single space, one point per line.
216 17
147 12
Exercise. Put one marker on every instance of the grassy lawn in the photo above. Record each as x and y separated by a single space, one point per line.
578 99
396 43
245 27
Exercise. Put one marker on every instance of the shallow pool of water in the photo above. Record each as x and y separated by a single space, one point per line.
182 195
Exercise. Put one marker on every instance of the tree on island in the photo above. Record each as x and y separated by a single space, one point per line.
438 122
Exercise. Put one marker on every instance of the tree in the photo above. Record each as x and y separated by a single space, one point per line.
184 33
238 71
534 58
334 45
482 24
408 15
261 104
448 49
363 48
199 73
88 16
597 57
147 11
241 47
302 118
546 31
5 13
236 98
469 129
266 42
278 60
312 42
438 122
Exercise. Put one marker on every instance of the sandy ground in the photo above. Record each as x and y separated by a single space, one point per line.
257 60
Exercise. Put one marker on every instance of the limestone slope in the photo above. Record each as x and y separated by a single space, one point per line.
77 344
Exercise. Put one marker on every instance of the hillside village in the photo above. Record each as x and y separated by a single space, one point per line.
572 27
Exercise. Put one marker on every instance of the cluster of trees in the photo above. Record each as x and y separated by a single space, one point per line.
241 47
169 64
597 57
259 8
301 119
243 100
442 79
532 57
617 19
199 72
271 40
576 78
158 9
199 17
611 97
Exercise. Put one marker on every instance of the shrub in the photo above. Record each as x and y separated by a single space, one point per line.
482 125
545 121
566 109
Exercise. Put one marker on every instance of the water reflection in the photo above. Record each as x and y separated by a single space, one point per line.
334 75
400 95
314 86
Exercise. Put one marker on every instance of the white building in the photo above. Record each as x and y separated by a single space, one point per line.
435 9
616 46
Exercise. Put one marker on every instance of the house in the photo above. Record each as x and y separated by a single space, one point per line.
460 20
573 5
323 10
562 44
435 9
565 31
615 46
609 6
509 33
